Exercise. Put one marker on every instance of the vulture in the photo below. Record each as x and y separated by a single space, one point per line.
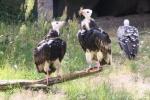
128 38
94 41
49 52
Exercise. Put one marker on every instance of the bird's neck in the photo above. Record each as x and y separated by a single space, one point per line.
52 34
126 25
85 23
56 29
87 18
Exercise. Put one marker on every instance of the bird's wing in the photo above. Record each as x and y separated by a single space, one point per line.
134 41
120 32
127 47
93 24
102 38
128 38
130 45
41 54
81 38
58 49
103 43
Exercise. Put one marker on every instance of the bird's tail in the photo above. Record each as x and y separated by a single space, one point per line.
131 51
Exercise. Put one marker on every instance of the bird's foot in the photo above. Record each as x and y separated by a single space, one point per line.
98 66
59 77
88 69
92 69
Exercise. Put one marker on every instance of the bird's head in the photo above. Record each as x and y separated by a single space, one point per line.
126 22
54 32
57 25
87 13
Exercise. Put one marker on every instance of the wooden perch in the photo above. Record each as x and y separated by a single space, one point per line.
4 85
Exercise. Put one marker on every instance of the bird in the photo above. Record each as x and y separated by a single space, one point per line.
94 41
128 39
50 51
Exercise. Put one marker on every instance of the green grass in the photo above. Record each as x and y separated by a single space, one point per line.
17 42
9 73
79 90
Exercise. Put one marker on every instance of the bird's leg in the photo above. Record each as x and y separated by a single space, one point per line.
99 58
57 64
89 67
46 69
89 57
47 77
58 72
98 65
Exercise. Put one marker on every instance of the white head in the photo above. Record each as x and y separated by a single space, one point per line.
126 22
56 25
85 12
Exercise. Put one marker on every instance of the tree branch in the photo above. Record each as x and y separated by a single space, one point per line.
6 84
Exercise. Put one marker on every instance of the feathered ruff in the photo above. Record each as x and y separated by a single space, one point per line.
52 34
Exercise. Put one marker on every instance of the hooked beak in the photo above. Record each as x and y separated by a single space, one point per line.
81 11
63 22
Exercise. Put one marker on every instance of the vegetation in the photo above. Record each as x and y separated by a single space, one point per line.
123 80
17 42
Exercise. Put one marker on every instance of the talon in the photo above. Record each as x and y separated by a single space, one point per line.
59 77
98 68
88 69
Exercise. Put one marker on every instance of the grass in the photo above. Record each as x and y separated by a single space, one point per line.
17 42
103 91
9 73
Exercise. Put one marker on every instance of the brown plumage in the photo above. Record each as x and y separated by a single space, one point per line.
50 51
94 41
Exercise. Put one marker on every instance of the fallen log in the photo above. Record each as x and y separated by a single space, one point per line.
8 84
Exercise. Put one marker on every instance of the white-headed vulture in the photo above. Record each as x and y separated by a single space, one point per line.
49 52
94 41
128 38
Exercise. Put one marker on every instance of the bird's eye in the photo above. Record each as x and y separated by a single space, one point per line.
88 12
56 22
